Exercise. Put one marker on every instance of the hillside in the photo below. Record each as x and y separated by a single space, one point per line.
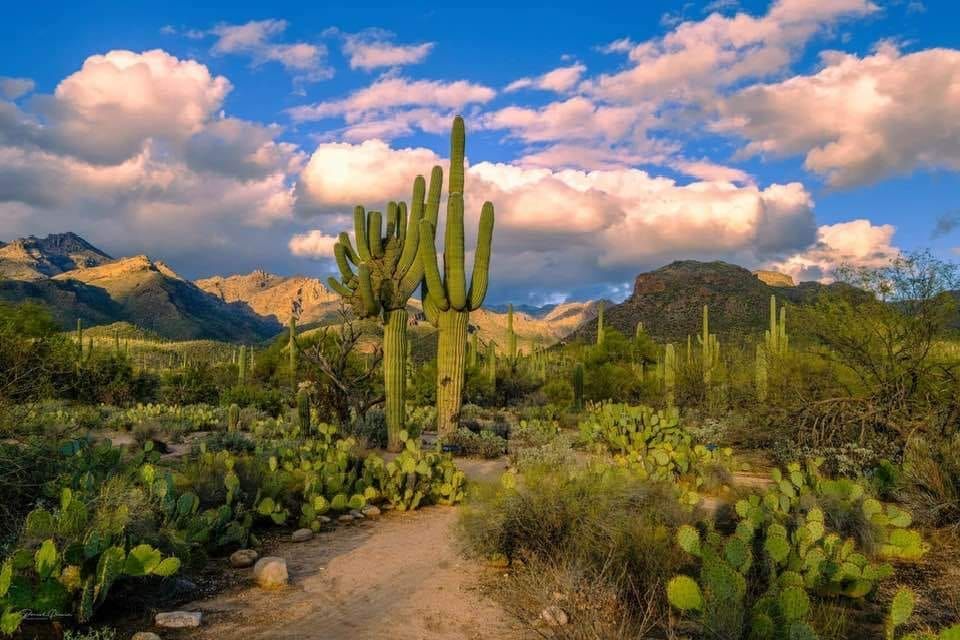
155 298
276 296
669 301
33 258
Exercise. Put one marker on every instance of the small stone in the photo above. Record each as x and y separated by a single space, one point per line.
302 535
371 511
145 635
357 515
324 519
554 616
386 507
243 558
345 519
178 619
270 573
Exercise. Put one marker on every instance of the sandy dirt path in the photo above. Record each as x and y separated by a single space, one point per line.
398 577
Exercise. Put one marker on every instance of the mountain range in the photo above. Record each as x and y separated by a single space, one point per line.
77 280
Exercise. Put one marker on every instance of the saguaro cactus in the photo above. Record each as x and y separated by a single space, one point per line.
303 412
669 372
578 387
600 323
292 346
242 367
491 362
776 338
448 301
709 348
389 269
511 337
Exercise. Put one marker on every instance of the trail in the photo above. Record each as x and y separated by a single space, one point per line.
398 577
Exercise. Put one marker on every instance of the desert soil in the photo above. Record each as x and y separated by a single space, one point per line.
399 577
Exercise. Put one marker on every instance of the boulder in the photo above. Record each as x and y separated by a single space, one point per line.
270 573
178 619
243 558
302 535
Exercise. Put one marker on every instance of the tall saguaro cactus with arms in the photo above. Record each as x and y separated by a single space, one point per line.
448 300
388 271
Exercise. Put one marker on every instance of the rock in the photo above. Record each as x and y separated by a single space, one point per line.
357 515
371 511
178 619
345 519
270 572
554 616
145 635
386 507
302 535
243 558
324 519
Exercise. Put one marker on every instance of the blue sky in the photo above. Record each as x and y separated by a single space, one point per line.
784 134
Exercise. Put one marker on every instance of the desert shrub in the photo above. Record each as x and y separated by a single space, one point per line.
370 429
558 391
269 401
194 384
603 524
556 454
931 480
485 444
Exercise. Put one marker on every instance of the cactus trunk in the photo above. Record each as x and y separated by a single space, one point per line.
395 374
451 361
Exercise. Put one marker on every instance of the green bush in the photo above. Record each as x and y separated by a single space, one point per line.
485 444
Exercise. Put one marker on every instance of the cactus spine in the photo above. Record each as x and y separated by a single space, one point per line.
600 329
447 299
578 387
388 270
292 346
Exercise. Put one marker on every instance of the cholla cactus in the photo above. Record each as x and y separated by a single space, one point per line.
448 301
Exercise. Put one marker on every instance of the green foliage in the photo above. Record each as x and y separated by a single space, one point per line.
416 477
484 444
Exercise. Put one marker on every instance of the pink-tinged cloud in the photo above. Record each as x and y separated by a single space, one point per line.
854 243
559 80
858 119
373 53
313 244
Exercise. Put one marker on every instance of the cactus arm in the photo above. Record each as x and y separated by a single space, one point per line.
374 233
431 272
454 273
337 286
392 226
458 138
429 308
481 260
344 239
360 233
408 258
432 212
402 221
370 304
346 273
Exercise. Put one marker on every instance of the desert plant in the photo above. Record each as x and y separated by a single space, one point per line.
447 301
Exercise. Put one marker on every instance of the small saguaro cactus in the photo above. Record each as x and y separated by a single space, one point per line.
760 373
389 269
491 362
472 350
303 412
600 330
709 348
511 337
292 347
79 341
448 300
233 417
669 372
578 387
776 338
241 365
